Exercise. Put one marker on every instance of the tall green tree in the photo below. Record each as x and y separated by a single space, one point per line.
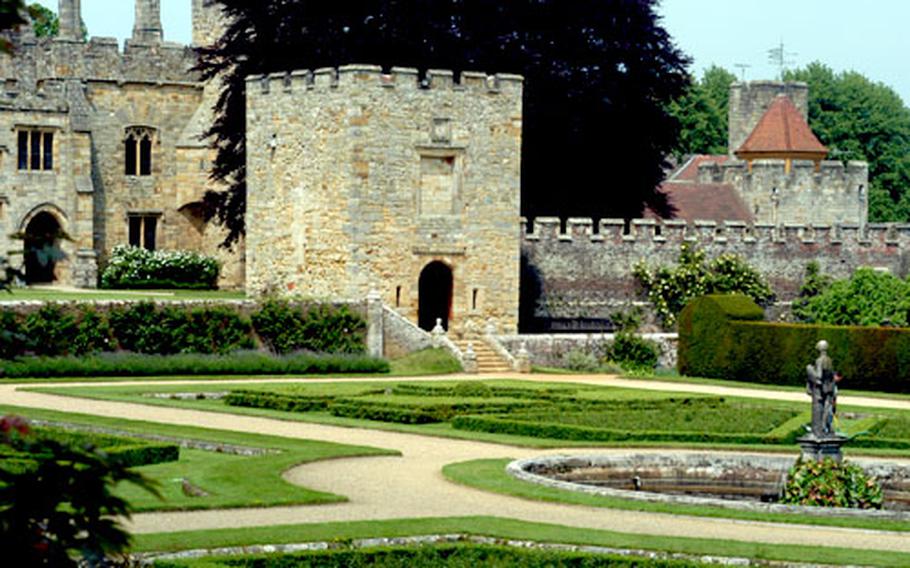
702 114
44 20
860 119
599 76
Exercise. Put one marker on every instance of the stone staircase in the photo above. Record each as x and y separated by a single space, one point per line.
488 361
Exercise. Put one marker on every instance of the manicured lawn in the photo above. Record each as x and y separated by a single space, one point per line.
490 475
51 295
230 480
511 529
775 440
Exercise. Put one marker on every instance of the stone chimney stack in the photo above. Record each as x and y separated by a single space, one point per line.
147 28
70 13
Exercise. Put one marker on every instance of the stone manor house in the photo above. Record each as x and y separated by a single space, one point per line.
395 182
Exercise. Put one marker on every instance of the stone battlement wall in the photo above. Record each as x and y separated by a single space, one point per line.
37 61
833 193
578 273
362 76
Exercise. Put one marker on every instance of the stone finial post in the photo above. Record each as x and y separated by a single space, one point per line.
523 360
470 359
375 329
147 26
70 17
490 328
438 333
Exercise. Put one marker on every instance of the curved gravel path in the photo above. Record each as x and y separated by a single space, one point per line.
412 486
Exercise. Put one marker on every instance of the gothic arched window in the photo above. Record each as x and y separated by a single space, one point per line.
138 151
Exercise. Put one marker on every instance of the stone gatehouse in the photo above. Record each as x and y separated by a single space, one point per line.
364 180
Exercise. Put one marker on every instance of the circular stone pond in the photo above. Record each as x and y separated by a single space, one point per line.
749 482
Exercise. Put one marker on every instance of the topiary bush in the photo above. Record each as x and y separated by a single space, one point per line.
831 484
632 352
669 289
721 338
135 267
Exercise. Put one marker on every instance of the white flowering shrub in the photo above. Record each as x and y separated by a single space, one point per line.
669 289
134 267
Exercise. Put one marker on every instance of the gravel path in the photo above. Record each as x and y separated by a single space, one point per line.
412 486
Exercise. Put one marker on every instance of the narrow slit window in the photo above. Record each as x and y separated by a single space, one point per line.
474 299
150 229
48 150
398 297
130 157
145 156
135 231
23 150
35 154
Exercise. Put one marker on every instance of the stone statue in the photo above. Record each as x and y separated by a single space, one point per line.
820 385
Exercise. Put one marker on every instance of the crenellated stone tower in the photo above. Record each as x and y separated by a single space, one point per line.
362 180
777 165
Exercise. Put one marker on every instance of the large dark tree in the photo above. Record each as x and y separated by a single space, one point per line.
599 76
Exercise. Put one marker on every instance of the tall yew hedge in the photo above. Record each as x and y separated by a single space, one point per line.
724 337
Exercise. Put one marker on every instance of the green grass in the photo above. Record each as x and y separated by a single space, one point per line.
426 362
511 529
51 295
490 475
352 387
231 480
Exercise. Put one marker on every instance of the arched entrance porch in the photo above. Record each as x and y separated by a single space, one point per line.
43 235
435 295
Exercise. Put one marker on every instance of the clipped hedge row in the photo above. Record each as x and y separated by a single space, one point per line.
421 412
237 364
480 390
277 401
538 429
144 327
723 337
454 555
131 452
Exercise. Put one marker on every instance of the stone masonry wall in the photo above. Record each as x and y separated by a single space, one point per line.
578 274
749 100
834 194
360 179
89 94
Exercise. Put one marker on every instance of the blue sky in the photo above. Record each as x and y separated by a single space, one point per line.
869 36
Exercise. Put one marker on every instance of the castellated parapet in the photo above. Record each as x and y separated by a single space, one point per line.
577 273
832 193
361 180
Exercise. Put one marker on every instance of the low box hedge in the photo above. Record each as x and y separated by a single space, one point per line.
245 363
537 429
131 452
429 556
723 337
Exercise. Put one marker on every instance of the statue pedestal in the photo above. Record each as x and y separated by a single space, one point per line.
818 449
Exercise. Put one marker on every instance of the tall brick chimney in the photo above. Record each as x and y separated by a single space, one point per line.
147 28
70 13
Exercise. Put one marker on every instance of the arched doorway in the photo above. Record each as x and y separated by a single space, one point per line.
42 248
435 295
